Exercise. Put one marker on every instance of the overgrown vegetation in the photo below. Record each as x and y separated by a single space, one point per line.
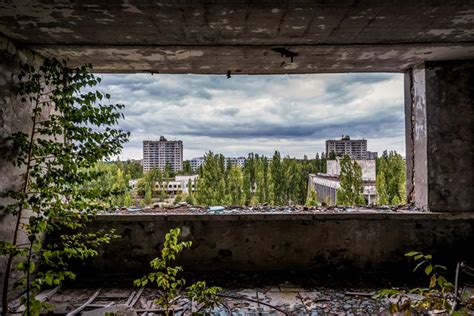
167 277
71 131
391 179
351 187
276 181
437 295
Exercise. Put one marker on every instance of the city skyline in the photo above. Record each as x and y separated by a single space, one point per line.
293 114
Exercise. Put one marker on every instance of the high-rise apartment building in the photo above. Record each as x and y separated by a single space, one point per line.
156 154
196 163
354 148
237 161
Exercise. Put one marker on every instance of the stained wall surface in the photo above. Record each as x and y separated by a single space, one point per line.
14 117
285 242
442 127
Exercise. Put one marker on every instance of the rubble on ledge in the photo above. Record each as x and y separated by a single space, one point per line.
184 208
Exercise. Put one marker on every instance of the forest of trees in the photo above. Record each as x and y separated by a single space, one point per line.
275 181
278 181
115 175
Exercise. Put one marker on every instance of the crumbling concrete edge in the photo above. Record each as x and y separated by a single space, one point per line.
365 216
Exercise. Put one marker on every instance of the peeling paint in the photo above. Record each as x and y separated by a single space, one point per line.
128 7
55 30
366 55
388 55
293 65
344 56
183 54
438 32
259 30
464 17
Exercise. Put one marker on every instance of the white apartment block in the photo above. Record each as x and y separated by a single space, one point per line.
236 161
156 154
196 163
354 148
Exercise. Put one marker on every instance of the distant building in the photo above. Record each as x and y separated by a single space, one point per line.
196 163
326 188
327 184
354 148
333 169
180 184
372 155
236 161
156 154
184 181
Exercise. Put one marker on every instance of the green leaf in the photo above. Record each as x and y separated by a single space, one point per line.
428 269
412 253
419 265
433 281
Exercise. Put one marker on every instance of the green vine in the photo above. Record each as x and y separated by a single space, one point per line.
437 295
167 279
73 127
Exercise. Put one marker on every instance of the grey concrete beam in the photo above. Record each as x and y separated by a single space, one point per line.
255 59
443 135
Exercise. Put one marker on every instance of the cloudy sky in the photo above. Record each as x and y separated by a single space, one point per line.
294 114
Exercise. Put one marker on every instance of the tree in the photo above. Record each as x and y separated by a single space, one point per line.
187 167
211 183
278 176
72 130
127 201
235 184
351 187
148 194
178 198
168 170
133 168
190 197
312 199
391 177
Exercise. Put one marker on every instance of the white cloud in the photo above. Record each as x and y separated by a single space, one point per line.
292 114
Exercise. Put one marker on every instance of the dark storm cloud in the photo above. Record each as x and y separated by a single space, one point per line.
245 109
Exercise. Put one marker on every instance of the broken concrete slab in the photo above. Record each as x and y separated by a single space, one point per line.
117 310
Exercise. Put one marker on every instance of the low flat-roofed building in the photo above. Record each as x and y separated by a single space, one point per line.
326 187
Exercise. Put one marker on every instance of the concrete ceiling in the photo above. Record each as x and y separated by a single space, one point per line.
218 36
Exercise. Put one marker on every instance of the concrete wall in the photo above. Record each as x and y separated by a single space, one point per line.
441 151
367 166
14 117
287 242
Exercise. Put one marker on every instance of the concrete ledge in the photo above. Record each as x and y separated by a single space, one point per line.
369 241
286 216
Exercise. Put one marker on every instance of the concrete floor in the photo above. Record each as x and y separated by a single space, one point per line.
271 300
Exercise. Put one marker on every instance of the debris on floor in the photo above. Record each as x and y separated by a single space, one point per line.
279 300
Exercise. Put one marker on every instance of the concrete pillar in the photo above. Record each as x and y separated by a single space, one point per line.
440 134
14 117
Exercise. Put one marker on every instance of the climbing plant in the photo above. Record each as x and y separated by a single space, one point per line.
167 277
438 295
72 128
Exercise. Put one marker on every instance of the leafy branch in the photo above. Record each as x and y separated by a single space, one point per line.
166 277
70 130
